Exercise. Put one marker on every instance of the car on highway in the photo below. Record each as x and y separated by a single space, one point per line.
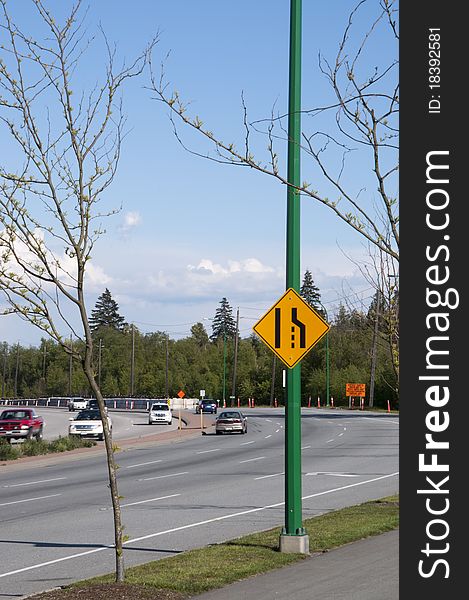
17 422
93 405
207 406
160 412
88 423
231 421
77 404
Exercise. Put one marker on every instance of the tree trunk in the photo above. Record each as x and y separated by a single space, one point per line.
111 464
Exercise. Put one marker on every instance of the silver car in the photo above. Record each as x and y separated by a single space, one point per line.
231 421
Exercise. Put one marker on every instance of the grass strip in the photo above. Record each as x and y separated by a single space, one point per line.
215 566
36 448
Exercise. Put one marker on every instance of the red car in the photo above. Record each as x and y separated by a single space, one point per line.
19 422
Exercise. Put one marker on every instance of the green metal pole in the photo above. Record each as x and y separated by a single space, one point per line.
224 366
293 516
327 371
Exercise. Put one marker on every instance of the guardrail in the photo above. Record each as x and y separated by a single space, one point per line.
114 403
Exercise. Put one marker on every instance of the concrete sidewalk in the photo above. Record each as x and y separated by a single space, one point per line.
363 570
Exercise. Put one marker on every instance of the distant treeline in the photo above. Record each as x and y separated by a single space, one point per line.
131 363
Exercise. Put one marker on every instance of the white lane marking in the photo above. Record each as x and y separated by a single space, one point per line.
340 434
268 436
190 525
163 476
269 420
381 420
267 476
328 441
205 451
277 430
30 499
150 500
33 482
151 462
251 459
246 443
305 447
332 474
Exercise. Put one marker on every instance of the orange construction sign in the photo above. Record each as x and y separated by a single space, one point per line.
355 389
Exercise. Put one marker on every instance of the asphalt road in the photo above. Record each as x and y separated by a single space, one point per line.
56 520
124 424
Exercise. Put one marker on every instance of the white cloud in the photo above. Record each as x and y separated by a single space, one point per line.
131 220
249 265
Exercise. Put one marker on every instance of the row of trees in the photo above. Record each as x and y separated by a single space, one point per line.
131 363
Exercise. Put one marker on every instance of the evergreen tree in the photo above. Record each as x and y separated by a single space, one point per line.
199 335
106 313
223 323
310 292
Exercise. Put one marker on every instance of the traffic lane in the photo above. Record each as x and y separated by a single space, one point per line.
208 472
91 472
94 529
208 499
206 448
179 524
28 495
211 448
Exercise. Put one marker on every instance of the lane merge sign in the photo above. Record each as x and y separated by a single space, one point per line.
291 328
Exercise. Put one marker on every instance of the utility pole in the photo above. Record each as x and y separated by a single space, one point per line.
70 368
224 364
235 360
5 349
374 351
293 537
132 363
328 376
272 385
99 361
167 368
17 368
44 354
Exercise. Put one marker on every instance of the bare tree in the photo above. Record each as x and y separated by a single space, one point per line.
381 271
64 148
362 117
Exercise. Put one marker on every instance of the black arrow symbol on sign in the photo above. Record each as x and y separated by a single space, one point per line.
301 326
295 321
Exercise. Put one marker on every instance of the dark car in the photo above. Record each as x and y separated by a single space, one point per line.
93 405
230 421
207 406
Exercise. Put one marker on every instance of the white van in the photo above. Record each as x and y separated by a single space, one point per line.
160 412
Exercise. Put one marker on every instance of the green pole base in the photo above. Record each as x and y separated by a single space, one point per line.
294 544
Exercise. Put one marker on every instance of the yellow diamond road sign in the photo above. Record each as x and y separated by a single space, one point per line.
291 328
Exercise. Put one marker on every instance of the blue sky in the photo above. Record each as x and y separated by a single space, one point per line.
192 231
